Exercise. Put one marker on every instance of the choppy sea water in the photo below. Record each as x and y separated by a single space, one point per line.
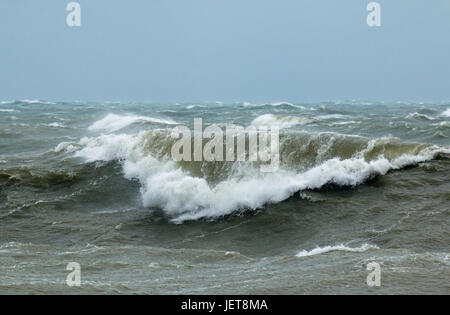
94 183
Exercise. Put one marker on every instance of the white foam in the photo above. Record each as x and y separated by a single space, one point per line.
275 104
55 125
420 116
185 197
194 106
270 120
106 147
114 122
281 104
344 123
442 124
65 146
31 101
322 250
333 116
446 113
36 102
7 110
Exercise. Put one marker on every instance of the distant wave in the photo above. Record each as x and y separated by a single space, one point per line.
322 250
194 106
247 104
26 101
419 116
55 125
333 116
442 125
6 110
31 101
344 123
446 113
280 121
66 147
114 122
36 102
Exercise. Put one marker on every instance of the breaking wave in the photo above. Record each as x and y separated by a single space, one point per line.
112 122
208 190
446 113
275 104
194 106
280 121
55 125
417 115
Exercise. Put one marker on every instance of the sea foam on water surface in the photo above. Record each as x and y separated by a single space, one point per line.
280 121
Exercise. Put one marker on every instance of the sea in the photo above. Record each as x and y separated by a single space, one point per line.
362 193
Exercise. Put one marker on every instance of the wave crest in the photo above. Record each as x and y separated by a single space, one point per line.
446 113
326 249
112 122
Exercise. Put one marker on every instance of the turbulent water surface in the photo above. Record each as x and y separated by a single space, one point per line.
95 183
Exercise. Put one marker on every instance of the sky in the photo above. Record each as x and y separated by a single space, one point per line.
225 50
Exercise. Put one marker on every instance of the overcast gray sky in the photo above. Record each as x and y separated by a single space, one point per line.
228 50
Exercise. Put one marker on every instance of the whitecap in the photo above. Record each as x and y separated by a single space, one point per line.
274 104
55 125
194 106
443 124
333 116
344 123
65 146
326 249
279 121
446 113
36 101
7 110
114 122
419 116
